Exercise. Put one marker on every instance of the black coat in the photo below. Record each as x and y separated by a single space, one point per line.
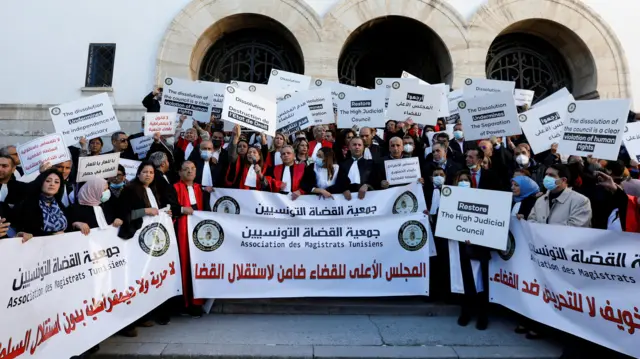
133 197
218 171
366 168
166 192
490 180
86 214
17 192
526 205
310 181
450 170
150 103
28 217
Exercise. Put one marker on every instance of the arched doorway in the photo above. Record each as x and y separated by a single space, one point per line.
246 47
543 56
386 46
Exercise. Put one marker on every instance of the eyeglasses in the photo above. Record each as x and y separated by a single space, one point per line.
122 140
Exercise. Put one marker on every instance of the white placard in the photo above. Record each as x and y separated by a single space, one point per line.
481 87
406 75
544 125
293 113
362 108
475 215
190 98
217 90
89 117
490 115
562 93
130 168
159 122
103 166
269 93
421 103
250 110
631 140
453 98
288 80
49 148
523 97
141 145
320 102
402 171
595 127
385 84
444 99
335 87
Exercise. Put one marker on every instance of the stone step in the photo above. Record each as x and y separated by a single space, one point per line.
336 306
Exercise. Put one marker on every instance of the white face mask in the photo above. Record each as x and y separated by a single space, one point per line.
170 140
522 160
408 148
438 181
464 184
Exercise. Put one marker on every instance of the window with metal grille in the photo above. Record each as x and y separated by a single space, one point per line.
100 63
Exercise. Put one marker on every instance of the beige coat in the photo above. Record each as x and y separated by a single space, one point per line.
569 209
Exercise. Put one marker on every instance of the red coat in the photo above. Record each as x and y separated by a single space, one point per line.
231 182
314 143
632 218
275 182
183 240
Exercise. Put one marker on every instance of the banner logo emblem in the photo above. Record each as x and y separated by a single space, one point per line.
511 248
274 72
208 236
462 105
522 118
168 81
571 108
252 88
154 240
379 82
341 95
412 236
226 204
55 111
395 85
318 82
446 191
468 82
405 203
230 89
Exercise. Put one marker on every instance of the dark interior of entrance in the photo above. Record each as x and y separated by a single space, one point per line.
384 47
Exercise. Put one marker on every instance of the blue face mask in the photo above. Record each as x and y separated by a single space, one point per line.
549 183
319 162
464 184
116 185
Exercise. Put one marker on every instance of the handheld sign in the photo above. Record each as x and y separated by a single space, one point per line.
320 104
444 101
562 93
402 171
476 215
130 168
385 83
419 102
490 115
362 108
632 140
103 166
335 88
293 113
163 123
269 93
595 127
406 75
544 125
190 98
141 145
523 97
49 148
88 117
453 98
250 110
482 87
217 97
289 80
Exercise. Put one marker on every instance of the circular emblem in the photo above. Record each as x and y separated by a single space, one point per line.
572 107
287 96
395 85
522 118
468 82
405 75
318 82
446 191
511 248
208 236
226 204
379 82
168 81
412 236
154 240
341 95
462 105
55 111
274 72
405 203
252 88
230 89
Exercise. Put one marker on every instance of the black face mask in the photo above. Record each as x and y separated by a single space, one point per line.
216 143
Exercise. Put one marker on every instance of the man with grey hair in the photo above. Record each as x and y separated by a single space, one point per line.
11 151
164 180
120 143
395 153
287 177
371 150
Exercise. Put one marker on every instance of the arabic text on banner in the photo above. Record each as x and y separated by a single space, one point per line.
66 293
583 281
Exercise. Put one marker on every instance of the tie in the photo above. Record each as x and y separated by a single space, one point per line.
474 182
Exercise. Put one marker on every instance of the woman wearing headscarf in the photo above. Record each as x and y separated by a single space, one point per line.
525 192
95 206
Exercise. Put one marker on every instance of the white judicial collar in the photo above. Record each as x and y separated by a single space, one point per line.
4 191
316 149
277 156
367 154
152 198
322 177
286 178
100 218
251 179
192 196
207 181
216 154
65 196
188 150
435 201
354 173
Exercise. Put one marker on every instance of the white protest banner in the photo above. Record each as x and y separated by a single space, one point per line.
453 98
419 102
363 108
159 122
489 115
67 293
232 257
293 113
444 99
103 166
269 93
320 102
562 93
89 117
402 171
406 75
475 215
130 168
595 127
217 90
49 148
190 98
250 110
385 84
544 125
523 97
631 140
586 284
335 87
481 87
288 80
141 145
